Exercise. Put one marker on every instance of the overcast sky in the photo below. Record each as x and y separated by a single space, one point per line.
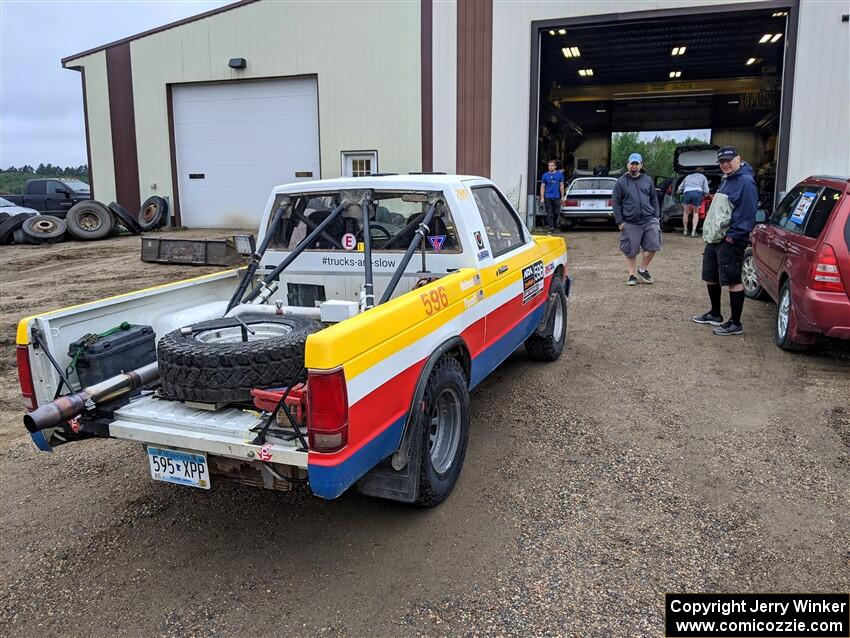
41 104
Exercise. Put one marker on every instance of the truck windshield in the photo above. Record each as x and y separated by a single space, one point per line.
393 223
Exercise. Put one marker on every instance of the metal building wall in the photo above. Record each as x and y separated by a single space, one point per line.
820 116
366 57
100 129
820 124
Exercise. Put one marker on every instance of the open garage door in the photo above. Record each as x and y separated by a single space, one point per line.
713 75
234 141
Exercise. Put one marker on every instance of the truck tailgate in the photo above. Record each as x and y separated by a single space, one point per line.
227 432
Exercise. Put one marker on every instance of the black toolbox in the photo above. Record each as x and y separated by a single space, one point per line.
100 357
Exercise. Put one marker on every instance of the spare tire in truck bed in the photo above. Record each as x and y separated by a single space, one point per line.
214 365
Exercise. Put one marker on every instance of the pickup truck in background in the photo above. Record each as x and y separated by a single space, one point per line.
51 196
343 354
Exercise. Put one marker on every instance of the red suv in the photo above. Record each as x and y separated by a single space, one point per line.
801 258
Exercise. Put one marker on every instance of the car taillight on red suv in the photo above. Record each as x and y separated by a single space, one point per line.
327 410
824 275
22 354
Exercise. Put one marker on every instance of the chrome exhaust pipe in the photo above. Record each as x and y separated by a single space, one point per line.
71 406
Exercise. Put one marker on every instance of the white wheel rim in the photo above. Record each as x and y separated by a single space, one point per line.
558 325
749 275
783 313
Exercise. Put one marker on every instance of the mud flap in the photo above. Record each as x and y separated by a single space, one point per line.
382 481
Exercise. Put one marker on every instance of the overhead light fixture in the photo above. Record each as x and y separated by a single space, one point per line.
551 32
585 72
751 61
576 53
678 50
571 52
562 31
776 38
765 38
780 14
675 74
733 102
601 110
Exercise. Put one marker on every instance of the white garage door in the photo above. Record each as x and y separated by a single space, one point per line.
236 140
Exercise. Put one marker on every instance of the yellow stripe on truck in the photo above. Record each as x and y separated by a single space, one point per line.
366 339
22 337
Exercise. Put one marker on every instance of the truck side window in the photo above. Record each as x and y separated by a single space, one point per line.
54 188
37 188
502 225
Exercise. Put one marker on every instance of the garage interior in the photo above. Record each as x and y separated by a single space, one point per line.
717 71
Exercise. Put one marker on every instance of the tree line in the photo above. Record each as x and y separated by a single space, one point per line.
657 153
12 179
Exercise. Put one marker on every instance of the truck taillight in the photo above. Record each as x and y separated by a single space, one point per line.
22 354
609 203
824 275
570 203
327 410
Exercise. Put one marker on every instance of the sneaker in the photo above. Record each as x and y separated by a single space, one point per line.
729 328
694 234
714 320
685 232
632 281
644 276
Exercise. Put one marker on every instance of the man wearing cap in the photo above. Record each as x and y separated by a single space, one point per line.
637 213
723 258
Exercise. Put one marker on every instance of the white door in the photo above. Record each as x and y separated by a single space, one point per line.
235 141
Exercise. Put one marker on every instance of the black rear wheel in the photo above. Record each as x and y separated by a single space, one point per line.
548 344
444 424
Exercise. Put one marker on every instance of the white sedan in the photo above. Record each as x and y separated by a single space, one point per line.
588 198
13 209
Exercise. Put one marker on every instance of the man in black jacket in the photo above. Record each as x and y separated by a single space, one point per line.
637 214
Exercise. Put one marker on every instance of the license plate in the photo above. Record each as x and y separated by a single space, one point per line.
592 203
177 466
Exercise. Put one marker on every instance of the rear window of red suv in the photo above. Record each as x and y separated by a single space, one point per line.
827 200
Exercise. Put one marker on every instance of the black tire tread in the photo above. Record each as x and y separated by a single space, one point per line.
124 218
76 231
40 238
10 225
540 348
432 493
218 373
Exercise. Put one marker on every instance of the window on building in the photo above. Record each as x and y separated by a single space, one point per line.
359 163
503 227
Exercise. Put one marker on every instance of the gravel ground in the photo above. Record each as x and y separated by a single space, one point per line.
652 457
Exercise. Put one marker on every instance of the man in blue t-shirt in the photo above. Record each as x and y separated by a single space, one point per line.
551 194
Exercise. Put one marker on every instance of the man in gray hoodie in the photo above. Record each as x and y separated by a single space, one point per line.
637 214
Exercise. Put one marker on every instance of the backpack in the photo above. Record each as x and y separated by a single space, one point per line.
718 219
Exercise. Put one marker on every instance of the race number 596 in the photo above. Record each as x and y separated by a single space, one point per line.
435 300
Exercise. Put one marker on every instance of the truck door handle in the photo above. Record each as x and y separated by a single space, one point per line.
501 270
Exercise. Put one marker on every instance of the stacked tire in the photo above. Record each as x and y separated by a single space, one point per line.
85 221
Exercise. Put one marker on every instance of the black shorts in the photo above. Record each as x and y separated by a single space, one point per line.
722 262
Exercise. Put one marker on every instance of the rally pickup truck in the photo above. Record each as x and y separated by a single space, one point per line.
343 354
